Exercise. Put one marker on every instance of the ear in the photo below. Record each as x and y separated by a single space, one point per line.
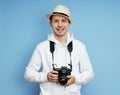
50 23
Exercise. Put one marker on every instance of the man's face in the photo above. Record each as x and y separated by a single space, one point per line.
59 25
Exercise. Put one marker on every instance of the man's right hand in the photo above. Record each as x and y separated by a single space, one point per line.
52 76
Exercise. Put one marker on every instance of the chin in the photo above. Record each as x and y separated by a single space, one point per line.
61 34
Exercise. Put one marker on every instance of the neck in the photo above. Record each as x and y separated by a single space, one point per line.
61 39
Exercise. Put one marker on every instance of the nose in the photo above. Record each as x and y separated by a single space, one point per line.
59 23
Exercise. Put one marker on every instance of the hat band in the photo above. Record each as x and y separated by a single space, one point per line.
60 13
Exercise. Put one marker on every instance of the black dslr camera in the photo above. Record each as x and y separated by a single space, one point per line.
62 73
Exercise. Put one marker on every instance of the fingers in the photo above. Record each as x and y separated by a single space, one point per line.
54 72
71 80
52 76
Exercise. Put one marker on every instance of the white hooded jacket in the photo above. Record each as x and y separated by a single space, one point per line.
42 58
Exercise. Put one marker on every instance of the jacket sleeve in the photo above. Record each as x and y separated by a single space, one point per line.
86 72
32 73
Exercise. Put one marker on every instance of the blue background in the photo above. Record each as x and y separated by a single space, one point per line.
23 25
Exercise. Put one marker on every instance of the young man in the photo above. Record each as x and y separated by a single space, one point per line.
64 60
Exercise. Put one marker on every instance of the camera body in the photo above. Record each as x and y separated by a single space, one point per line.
62 73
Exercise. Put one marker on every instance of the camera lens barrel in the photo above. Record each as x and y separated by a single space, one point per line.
63 79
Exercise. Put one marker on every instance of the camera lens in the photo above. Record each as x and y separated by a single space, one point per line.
63 79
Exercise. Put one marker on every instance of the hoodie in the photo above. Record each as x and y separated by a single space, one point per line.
41 63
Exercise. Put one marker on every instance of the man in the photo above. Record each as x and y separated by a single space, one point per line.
64 60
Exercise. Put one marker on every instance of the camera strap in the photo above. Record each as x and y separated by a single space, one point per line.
52 49
69 48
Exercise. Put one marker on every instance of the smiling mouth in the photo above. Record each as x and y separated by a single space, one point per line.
60 30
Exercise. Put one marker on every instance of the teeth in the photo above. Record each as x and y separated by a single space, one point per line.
60 29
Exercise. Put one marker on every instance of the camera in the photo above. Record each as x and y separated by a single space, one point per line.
62 73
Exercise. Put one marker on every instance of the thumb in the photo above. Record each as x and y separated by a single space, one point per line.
68 76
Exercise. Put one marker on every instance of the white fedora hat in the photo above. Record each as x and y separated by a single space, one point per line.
60 10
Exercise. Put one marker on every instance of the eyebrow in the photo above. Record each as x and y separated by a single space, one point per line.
60 19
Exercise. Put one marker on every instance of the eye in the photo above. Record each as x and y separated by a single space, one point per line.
64 20
55 21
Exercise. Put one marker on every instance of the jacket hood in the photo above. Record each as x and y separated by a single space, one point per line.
69 38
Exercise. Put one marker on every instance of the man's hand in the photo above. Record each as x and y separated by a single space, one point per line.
71 80
52 76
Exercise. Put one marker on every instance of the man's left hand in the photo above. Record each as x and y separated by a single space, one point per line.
71 80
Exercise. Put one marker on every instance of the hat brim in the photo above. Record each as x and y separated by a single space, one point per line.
49 15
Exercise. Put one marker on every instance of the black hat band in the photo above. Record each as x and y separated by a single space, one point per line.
60 13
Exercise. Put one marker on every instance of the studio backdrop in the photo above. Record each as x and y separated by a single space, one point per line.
23 24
